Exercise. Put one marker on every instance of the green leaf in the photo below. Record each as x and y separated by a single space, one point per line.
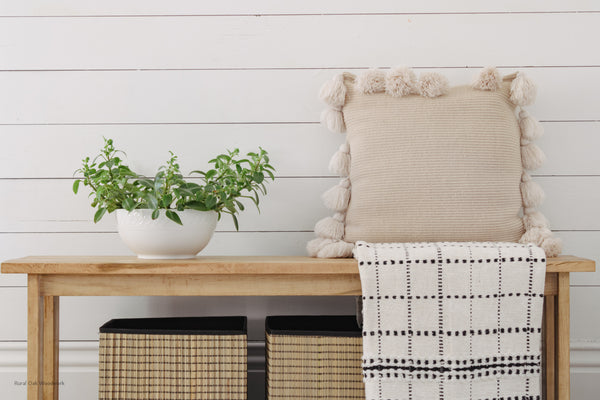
197 205
155 213
99 214
209 174
185 192
235 222
167 199
258 177
210 201
129 204
151 200
240 205
76 186
172 215
147 183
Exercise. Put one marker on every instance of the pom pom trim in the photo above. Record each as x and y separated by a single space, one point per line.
400 82
488 79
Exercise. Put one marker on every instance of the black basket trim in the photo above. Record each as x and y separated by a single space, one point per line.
313 325
178 326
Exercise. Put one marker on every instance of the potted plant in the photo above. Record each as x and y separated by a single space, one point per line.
167 216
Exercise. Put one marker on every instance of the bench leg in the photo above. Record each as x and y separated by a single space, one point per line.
34 338
50 348
549 348
563 346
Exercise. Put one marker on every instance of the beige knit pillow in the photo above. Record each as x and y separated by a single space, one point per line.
424 162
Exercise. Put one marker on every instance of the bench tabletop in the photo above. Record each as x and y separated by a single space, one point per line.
219 265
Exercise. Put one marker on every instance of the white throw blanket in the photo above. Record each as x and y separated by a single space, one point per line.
451 320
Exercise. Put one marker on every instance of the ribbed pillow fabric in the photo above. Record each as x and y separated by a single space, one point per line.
424 162
442 169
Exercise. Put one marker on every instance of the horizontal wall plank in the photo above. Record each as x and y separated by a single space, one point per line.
295 149
91 97
78 323
571 202
293 204
583 244
319 41
236 7
571 148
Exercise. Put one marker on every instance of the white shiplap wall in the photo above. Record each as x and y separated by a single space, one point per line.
199 77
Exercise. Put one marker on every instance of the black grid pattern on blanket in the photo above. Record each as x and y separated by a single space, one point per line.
451 320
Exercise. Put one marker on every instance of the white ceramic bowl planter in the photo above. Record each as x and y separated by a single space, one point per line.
162 238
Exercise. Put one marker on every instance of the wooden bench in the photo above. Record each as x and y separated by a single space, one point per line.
52 277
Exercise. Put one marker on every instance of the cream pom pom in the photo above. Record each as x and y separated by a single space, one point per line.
534 219
535 236
432 84
334 120
371 81
552 246
522 90
333 92
338 197
314 246
531 129
400 81
544 238
338 249
340 162
488 79
532 156
532 194
331 227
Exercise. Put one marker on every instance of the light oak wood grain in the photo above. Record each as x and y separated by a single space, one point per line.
202 285
549 348
299 284
35 335
563 318
221 265
50 348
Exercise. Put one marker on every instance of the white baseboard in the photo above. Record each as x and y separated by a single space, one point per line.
79 369
585 356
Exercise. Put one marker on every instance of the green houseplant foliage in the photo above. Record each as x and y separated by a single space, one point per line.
114 185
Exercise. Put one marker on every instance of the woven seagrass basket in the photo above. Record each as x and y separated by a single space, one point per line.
314 357
173 358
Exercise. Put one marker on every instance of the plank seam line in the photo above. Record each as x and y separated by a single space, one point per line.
331 14
286 68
